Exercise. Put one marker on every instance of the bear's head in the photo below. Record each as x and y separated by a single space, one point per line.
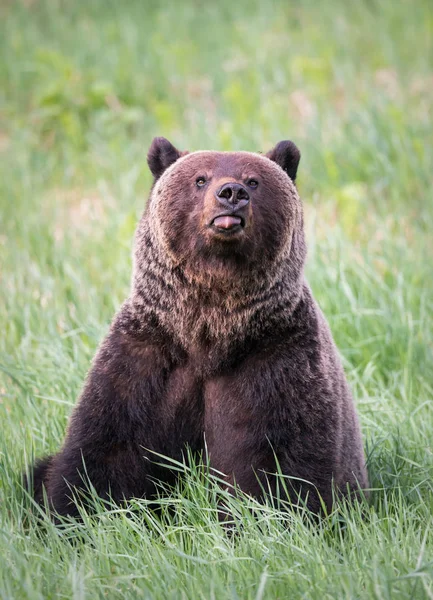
225 215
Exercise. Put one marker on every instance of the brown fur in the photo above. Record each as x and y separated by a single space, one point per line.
219 344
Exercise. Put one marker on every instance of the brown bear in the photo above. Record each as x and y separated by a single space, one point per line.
220 346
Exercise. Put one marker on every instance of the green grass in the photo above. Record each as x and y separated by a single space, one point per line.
84 86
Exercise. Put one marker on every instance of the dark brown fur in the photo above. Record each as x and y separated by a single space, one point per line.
219 344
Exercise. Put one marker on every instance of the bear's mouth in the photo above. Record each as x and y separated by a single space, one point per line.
228 223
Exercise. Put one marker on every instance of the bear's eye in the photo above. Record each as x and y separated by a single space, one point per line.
253 183
200 181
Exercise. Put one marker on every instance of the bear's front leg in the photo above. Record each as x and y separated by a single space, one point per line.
119 420
288 410
255 429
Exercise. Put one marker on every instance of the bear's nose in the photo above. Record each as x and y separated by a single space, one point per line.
233 195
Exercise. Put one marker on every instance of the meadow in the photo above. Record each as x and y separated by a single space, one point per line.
84 86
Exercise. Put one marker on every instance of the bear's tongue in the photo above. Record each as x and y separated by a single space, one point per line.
227 221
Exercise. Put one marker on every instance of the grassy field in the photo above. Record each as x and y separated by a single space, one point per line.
84 86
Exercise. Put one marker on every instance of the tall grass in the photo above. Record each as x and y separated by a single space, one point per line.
84 86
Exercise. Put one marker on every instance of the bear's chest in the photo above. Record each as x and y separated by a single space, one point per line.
199 404
181 410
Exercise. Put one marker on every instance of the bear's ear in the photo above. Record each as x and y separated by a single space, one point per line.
287 155
161 155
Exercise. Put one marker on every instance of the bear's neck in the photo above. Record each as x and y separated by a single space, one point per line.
198 312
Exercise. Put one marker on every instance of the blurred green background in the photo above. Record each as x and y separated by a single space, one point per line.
84 86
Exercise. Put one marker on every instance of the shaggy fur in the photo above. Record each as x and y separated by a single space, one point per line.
220 344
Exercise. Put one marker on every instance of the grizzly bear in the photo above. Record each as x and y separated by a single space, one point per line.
220 347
